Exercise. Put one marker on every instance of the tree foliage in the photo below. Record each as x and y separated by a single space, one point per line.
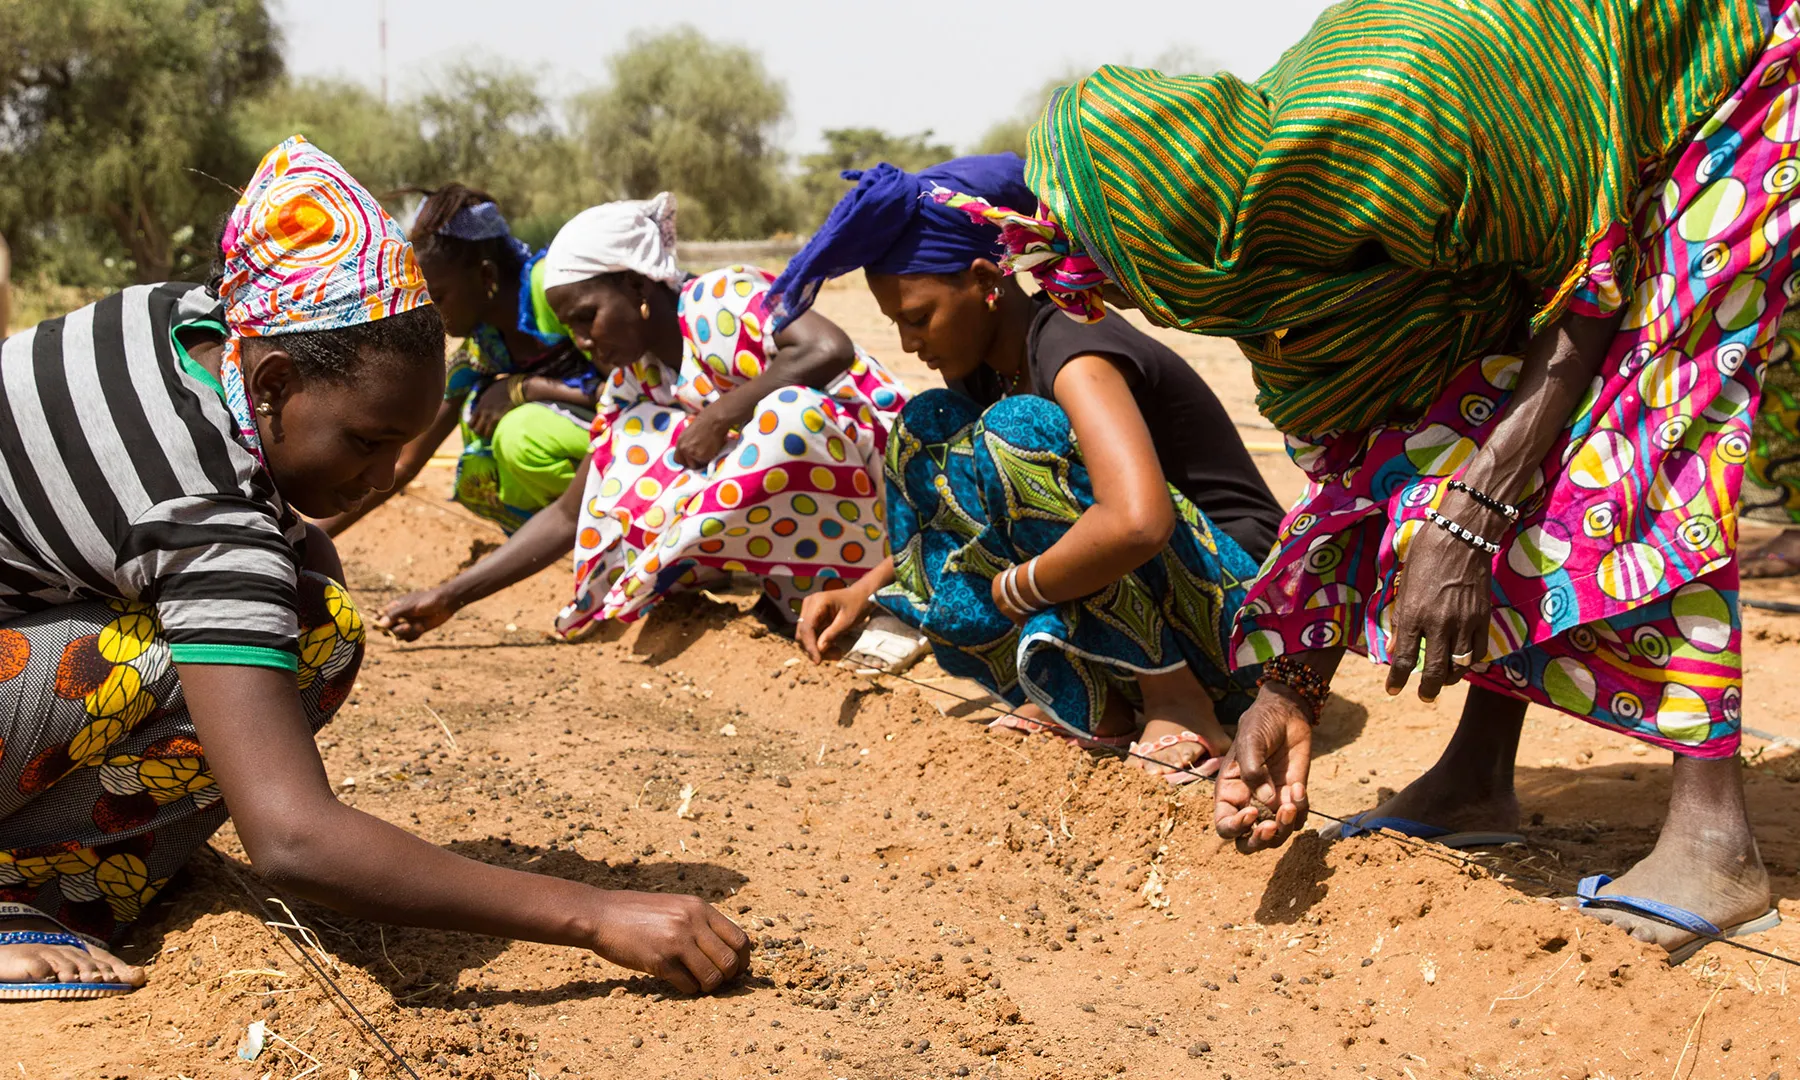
117 112
686 114
821 183
126 126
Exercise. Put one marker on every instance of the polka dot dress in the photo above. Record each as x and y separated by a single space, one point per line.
794 498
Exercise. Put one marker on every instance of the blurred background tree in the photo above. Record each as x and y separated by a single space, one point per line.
126 126
686 114
821 183
114 113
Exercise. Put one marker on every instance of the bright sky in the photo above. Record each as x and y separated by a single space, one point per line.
905 67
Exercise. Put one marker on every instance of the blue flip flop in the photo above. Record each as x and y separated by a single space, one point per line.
1365 824
1588 895
49 991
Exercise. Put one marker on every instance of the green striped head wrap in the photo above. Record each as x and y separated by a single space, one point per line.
1415 184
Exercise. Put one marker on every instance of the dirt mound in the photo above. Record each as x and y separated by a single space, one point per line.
927 898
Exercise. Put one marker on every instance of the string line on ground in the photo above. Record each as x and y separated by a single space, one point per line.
342 999
1421 847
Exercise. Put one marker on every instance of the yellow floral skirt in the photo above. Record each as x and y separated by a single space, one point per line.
104 789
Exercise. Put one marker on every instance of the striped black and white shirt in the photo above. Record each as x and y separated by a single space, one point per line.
122 477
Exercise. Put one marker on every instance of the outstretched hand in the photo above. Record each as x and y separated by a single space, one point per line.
1260 797
680 939
827 616
415 614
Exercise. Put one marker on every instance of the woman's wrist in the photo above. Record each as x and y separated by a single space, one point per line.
451 593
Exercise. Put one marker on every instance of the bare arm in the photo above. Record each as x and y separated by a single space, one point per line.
545 388
1444 597
413 458
302 839
1132 517
812 351
547 537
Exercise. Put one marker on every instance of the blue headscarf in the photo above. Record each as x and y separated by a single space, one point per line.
885 227
484 221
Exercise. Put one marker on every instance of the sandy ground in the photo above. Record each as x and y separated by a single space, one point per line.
928 900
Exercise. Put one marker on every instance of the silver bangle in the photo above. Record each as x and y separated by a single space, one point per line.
1009 589
1031 579
1467 536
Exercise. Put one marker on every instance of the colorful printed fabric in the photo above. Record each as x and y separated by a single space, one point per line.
104 790
485 471
1405 190
524 467
793 499
1041 247
971 493
1616 595
308 248
1772 477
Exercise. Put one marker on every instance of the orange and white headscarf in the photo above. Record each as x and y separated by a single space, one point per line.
308 248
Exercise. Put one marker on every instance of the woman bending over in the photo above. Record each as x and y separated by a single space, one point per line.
722 444
523 395
175 634
1074 519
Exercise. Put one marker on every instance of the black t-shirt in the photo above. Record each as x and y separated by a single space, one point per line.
1196 442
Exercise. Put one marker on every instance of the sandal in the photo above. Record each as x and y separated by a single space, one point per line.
888 645
1588 895
1207 766
1027 726
51 991
1367 824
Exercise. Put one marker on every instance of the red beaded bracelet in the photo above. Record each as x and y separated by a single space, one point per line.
1297 676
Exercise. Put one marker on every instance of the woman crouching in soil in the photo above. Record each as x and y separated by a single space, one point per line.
1523 389
520 392
162 595
723 443
1074 520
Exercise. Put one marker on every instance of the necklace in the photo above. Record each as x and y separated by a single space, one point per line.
1017 377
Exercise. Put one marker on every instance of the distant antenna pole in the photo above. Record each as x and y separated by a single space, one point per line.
384 58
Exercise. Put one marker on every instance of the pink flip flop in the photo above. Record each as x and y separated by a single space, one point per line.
1028 726
1207 767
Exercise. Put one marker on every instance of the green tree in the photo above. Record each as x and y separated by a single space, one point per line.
686 114
493 129
120 111
382 146
1010 133
821 184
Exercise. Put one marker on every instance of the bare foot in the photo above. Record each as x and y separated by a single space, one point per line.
33 963
1705 860
1778 558
1174 702
1470 789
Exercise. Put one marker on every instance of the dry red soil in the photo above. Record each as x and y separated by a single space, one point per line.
928 899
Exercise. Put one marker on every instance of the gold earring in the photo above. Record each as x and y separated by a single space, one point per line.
644 309
993 298
265 409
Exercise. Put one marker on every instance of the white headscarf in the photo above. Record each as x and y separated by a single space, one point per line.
633 234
